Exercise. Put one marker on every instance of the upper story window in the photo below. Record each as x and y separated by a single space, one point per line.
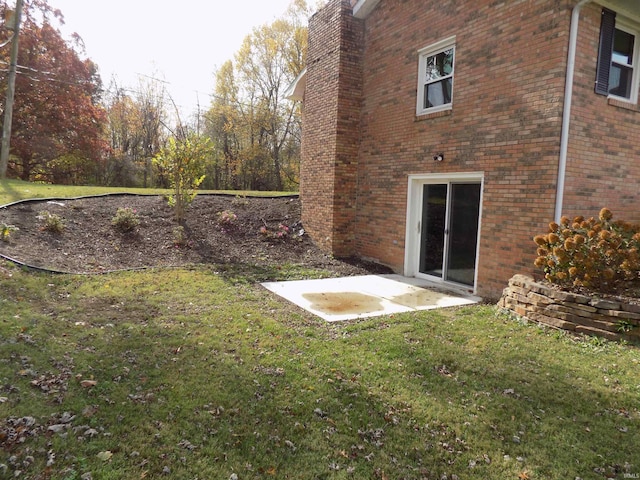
618 73
435 77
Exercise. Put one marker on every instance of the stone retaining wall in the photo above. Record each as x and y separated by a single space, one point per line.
539 302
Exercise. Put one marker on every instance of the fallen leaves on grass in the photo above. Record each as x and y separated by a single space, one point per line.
5 273
15 431
272 471
105 455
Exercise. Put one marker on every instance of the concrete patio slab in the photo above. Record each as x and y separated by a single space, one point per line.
346 298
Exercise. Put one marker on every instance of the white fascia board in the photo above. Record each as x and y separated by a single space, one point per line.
363 8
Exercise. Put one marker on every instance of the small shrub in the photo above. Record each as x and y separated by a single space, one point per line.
180 237
597 254
281 233
125 220
227 218
624 326
6 231
240 201
51 222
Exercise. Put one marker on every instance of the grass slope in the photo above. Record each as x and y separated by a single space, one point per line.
186 374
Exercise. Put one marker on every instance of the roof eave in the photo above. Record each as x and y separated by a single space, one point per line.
295 91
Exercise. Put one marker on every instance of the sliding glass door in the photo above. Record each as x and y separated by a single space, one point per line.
449 231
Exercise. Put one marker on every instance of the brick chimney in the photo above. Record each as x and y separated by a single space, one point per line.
331 127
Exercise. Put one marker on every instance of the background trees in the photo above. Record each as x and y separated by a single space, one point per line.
222 125
58 122
255 129
67 129
123 116
137 127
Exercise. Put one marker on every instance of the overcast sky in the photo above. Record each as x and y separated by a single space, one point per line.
180 42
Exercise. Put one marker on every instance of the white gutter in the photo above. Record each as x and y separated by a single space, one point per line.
566 113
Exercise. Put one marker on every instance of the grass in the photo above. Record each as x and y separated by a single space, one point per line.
193 374
202 373
13 190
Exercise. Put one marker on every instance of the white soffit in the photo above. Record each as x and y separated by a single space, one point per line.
627 8
363 8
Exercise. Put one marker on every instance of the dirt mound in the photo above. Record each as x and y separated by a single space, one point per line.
218 229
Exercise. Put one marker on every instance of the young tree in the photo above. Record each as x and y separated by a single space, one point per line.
58 123
183 163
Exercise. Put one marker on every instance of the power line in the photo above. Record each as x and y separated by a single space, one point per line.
51 76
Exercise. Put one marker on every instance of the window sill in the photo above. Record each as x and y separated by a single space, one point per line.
623 104
438 114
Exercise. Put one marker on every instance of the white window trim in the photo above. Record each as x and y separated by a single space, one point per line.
423 53
632 28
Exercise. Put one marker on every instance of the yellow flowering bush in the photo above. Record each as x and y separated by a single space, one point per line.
598 254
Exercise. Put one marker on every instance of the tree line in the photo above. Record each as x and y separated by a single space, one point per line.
68 128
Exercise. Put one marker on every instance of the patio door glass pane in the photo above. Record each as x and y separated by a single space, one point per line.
432 237
463 233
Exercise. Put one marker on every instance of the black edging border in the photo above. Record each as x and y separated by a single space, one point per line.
120 194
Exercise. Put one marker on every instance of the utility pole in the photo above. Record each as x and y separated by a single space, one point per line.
11 89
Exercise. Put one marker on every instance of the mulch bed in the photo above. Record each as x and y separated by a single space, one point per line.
266 232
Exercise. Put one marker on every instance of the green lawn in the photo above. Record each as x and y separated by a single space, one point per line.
198 373
13 190
197 376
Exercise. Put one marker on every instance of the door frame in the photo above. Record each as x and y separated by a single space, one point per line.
414 216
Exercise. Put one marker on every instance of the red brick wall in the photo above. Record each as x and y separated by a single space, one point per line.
332 112
603 167
505 122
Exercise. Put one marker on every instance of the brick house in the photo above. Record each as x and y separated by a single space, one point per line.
439 136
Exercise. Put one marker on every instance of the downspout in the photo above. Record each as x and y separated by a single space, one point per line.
566 113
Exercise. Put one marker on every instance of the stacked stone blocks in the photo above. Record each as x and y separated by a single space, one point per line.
614 319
